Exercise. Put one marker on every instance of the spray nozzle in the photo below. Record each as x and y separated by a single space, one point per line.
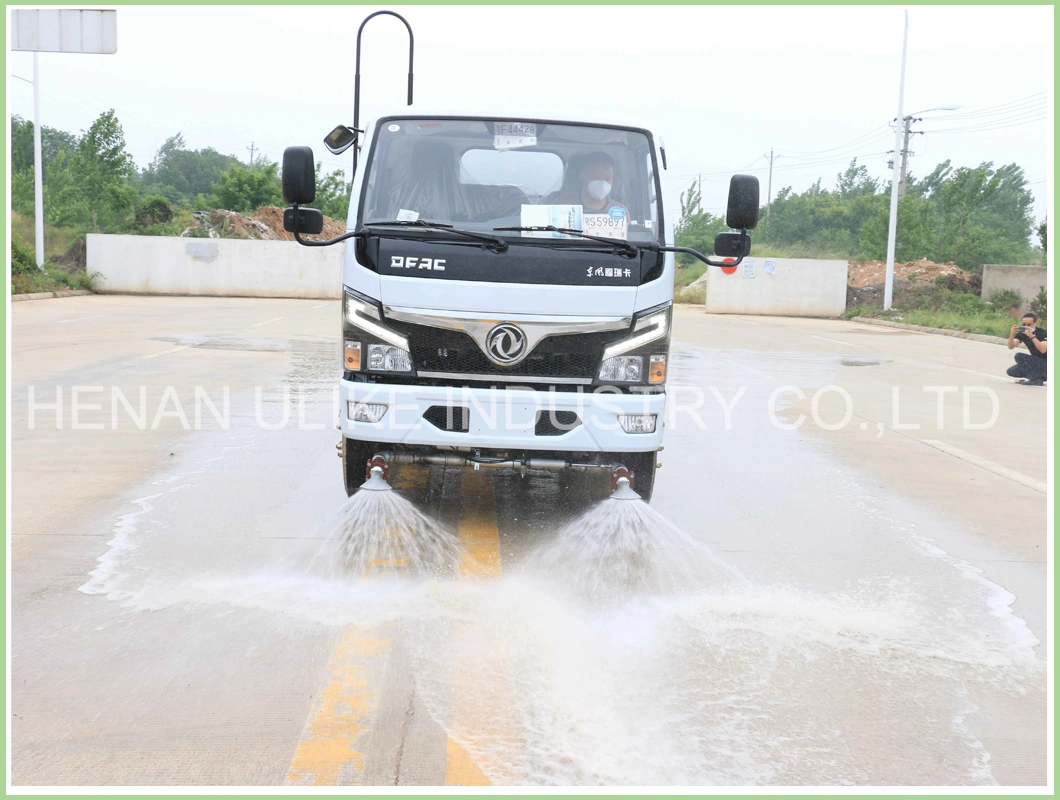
622 484
376 474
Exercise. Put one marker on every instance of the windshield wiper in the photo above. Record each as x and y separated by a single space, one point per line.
620 245
498 244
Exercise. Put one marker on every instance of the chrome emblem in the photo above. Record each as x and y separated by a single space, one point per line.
506 344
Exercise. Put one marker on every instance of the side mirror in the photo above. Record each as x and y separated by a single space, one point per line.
299 175
742 211
310 220
732 244
340 139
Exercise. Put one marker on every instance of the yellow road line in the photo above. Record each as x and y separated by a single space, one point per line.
478 527
460 770
329 753
481 559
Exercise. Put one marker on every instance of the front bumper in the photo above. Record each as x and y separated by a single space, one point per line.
502 418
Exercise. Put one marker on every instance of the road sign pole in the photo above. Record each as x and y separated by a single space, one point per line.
54 30
38 173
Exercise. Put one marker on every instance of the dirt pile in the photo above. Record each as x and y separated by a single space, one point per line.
865 280
73 260
870 273
273 217
265 225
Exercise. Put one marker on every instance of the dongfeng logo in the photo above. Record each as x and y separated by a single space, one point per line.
506 344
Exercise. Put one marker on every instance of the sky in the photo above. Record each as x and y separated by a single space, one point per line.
722 85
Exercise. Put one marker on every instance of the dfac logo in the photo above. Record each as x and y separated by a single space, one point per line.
506 344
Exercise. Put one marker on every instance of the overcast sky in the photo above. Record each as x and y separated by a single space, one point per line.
721 85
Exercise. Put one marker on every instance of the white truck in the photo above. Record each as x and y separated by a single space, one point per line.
507 291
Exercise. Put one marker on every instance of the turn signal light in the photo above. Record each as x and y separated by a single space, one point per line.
352 357
657 369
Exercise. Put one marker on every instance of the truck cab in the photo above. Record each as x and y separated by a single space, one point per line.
507 296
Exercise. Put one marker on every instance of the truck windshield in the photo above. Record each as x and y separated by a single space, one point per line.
481 175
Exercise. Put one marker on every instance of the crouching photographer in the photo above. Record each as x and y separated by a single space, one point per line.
1030 366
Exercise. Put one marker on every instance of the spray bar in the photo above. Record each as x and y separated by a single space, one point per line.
452 460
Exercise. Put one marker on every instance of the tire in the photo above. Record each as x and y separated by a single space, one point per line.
643 467
355 455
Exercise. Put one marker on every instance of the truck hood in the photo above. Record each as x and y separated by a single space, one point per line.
507 299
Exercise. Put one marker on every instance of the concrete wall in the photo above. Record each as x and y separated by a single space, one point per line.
1025 280
789 287
218 267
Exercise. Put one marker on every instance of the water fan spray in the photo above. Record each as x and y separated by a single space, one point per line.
380 532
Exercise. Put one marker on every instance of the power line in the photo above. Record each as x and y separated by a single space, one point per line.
1037 105
1031 98
996 125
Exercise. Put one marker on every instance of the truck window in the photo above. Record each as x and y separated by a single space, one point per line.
536 173
486 174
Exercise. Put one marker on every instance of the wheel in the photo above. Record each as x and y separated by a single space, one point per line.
643 468
355 456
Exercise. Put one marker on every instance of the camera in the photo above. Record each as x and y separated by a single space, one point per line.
1022 329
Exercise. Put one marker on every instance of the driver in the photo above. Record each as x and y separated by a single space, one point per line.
592 188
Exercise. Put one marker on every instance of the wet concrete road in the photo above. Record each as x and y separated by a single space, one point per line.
869 603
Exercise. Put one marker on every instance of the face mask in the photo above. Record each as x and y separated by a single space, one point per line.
598 190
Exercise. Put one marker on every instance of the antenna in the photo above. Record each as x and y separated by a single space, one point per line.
357 77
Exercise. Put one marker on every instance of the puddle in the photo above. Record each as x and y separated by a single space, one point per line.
863 362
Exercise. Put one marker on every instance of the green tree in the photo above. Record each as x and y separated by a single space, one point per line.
855 182
246 190
1043 235
696 228
103 168
52 141
56 147
180 175
333 194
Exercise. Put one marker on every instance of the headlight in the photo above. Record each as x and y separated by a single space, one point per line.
637 423
365 412
645 330
621 368
383 357
365 316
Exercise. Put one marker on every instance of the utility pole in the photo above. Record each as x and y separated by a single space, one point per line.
892 223
907 122
769 191
251 149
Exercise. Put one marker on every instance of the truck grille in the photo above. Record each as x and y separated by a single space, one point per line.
571 356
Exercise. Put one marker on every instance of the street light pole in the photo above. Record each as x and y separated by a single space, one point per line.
892 225
38 172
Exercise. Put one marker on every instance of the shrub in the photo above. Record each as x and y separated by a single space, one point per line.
1040 306
23 257
1004 300
695 294
153 211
